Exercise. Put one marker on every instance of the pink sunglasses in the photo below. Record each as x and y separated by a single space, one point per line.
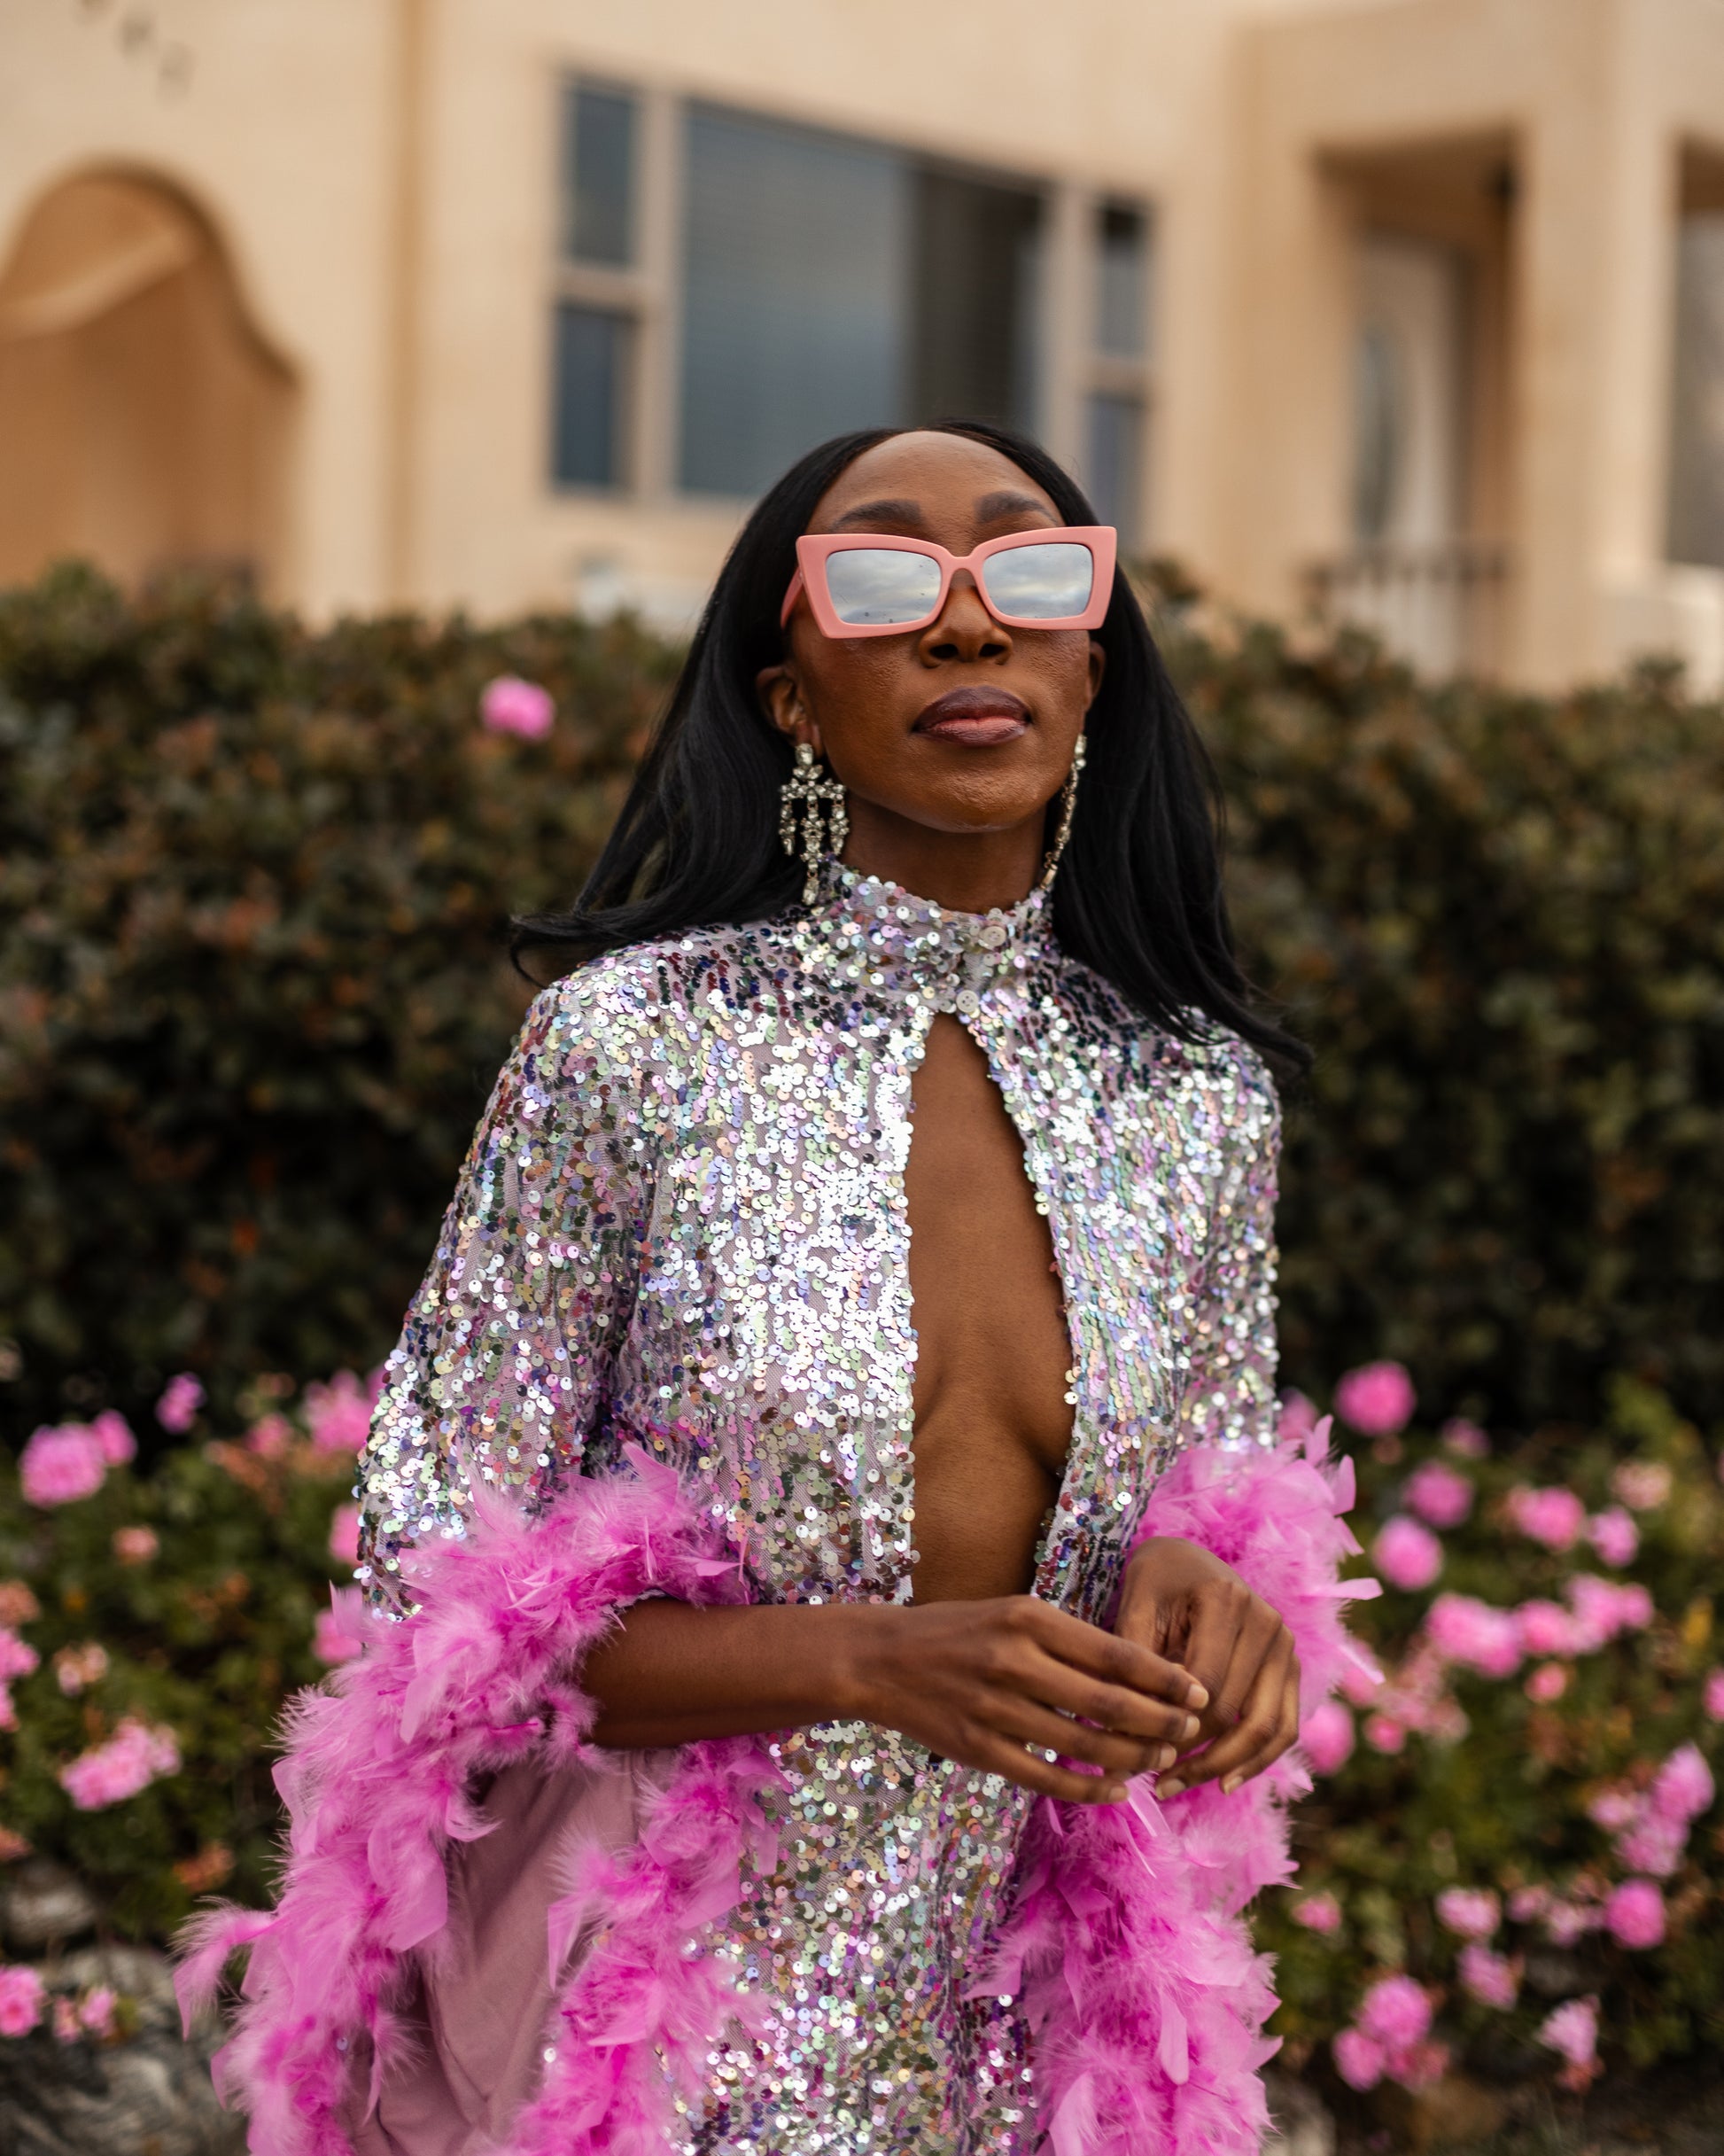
874 584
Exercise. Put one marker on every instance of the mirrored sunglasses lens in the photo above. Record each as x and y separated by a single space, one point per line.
871 587
1049 583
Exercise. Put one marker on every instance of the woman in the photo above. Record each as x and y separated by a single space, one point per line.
851 1604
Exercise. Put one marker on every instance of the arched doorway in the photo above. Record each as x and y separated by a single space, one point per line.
144 423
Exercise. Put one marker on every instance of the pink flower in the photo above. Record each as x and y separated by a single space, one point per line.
270 1436
1614 1536
1712 1696
1490 1977
1613 1808
1318 1912
1327 1736
1573 2030
1473 1912
65 2021
1547 1682
113 1432
343 1535
1377 1399
1526 1904
1359 2059
130 1760
1568 1922
1439 1495
1296 1419
1466 1631
1396 2011
511 705
1652 1845
17 1657
79 1668
1408 1555
340 1415
1383 1733
332 1642
21 2000
134 1546
1466 1439
96 2012
1634 1914
1546 1628
178 1406
1554 1517
1684 1786
1419 2064
61 1466
1603 1608
1641 1485
1360 1684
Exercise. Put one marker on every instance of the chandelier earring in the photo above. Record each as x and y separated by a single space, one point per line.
812 800
1068 801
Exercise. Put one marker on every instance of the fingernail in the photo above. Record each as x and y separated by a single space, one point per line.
1112 1792
1189 1727
1232 1782
1165 1757
1197 1697
1164 1790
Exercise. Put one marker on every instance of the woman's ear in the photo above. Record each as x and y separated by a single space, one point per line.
781 698
1097 667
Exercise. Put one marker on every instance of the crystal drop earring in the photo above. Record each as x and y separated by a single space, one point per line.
810 797
1068 801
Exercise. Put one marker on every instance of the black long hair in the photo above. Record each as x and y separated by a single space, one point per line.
1138 897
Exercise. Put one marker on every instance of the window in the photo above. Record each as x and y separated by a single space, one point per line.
1119 341
832 283
594 320
598 195
730 290
590 373
796 250
1697 463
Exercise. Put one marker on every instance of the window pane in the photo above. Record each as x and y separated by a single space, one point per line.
1697 461
1122 280
598 162
977 283
589 391
1115 465
794 303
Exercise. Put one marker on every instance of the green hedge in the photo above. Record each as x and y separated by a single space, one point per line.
252 991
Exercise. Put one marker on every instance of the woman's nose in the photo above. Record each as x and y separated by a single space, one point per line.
965 629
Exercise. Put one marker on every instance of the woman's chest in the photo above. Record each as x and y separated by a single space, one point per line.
773 1350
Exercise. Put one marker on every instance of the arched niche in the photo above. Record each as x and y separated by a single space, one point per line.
145 422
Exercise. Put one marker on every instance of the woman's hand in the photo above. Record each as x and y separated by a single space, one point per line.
1180 1601
985 1682
978 1682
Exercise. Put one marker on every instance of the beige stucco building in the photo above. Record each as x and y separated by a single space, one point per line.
1417 305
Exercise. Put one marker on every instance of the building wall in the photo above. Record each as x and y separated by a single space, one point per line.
383 180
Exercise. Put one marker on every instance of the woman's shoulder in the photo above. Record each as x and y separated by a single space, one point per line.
1199 1052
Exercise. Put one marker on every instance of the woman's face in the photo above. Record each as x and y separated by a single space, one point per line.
963 728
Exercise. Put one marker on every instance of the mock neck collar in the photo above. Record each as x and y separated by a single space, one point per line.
885 938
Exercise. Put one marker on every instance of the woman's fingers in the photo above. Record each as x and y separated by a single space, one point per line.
1267 1725
1117 1660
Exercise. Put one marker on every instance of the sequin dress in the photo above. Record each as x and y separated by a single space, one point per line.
682 1225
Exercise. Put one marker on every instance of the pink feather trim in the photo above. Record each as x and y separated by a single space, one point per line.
375 1780
1146 2000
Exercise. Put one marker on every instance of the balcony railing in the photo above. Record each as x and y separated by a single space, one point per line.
1444 607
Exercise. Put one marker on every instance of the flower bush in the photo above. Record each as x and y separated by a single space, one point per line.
1513 1853
151 1626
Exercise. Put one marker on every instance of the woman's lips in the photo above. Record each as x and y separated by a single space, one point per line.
976 718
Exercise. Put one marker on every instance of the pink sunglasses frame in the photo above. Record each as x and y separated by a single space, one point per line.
814 549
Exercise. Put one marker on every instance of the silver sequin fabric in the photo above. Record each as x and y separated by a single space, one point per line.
682 1225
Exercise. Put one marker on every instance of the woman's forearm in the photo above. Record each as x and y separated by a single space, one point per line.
672 1674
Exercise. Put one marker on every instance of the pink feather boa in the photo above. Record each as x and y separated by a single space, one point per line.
376 1781
1126 1937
